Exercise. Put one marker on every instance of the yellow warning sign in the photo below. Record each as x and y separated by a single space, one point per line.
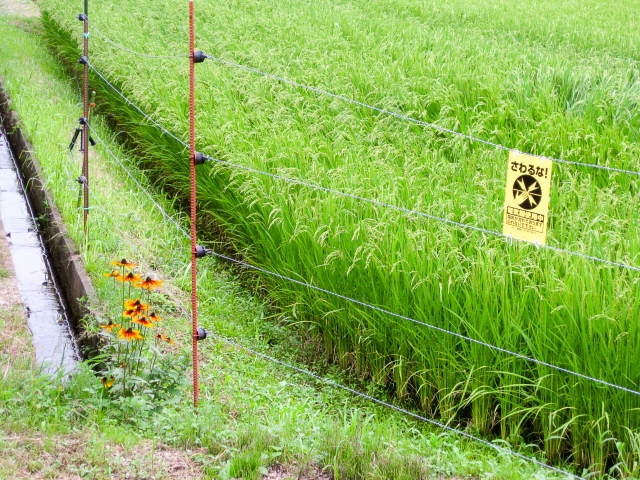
526 204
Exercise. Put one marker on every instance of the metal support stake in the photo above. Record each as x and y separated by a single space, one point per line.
192 166
85 135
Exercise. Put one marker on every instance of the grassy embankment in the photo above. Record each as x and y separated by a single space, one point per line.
253 414
551 78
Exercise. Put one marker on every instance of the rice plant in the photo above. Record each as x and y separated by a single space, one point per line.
551 78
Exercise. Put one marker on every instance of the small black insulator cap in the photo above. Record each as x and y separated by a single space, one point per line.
82 17
82 180
201 251
202 334
83 60
200 158
92 142
83 121
198 56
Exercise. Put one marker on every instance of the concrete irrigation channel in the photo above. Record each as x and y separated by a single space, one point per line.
53 283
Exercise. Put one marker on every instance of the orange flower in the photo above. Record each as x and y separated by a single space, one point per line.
164 338
134 308
129 334
150 284
144 321
131 277
154 317
135 304
124 263
108 382
114 274
109 326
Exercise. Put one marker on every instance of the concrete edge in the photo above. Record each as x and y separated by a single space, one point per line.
65 258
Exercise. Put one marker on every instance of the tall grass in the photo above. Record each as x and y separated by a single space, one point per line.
553 78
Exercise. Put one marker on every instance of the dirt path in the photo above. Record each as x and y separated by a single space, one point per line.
20 8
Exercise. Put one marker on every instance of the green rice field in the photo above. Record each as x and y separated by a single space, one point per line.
556 78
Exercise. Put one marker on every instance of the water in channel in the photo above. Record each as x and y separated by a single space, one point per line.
55 347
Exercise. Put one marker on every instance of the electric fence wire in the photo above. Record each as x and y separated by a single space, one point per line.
416 121
371 306
383 111
376 202
334 383
422 214
398 409
138 54
138 184
129 102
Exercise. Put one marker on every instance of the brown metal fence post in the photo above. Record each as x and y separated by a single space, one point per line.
192 147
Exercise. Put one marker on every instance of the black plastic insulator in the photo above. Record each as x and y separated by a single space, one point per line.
83 60
199 56
83 121
82 17
202 334
74 139
82 180
200 158
201 251
92 142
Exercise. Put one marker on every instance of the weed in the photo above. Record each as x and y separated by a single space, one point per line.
133 360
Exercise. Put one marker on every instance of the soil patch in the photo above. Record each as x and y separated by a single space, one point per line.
292 472
19 8
71 457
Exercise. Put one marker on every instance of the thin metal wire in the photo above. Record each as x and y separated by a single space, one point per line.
129 102
374 108
396 408
424 215
530 359
139 185
125 49
428 325
407 118
376 202
335 384
379 309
